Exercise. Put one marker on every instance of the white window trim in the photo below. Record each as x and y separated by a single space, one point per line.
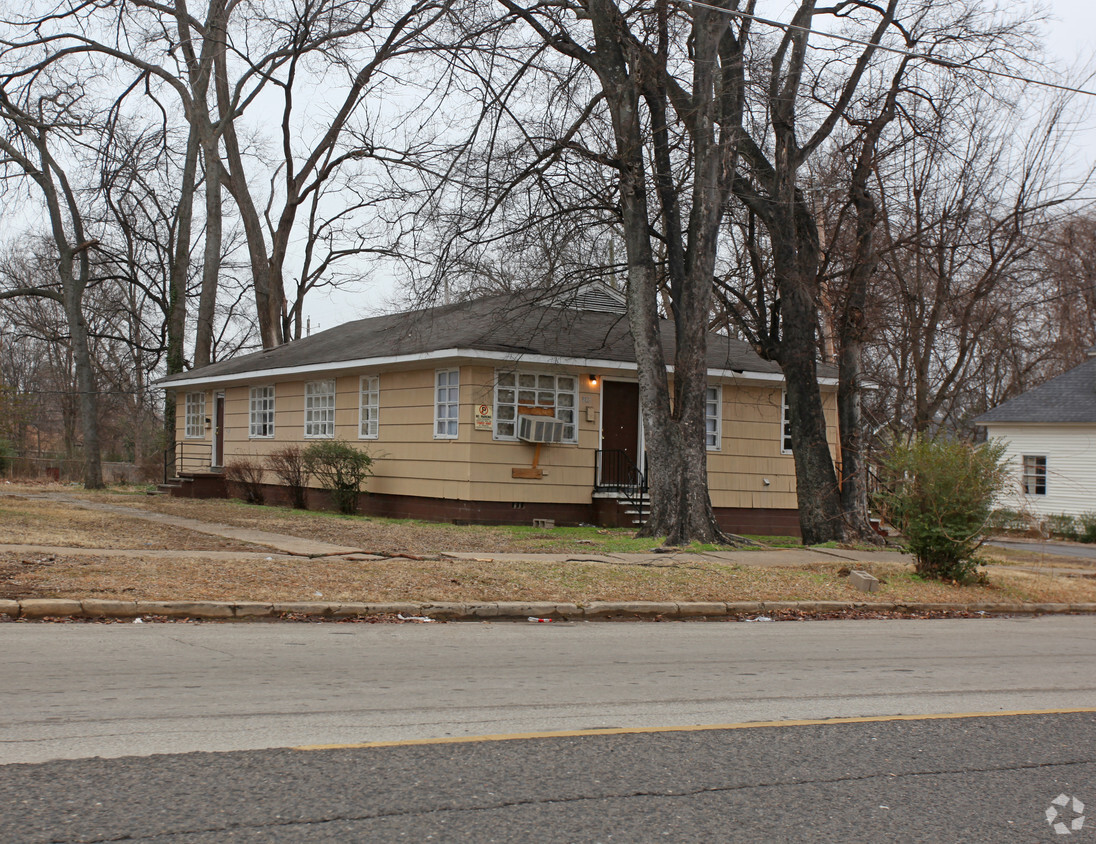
785 422
370 385
517 373
437 376
718 416
251 435
323 435
188 416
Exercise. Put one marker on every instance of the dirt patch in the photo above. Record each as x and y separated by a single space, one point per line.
41 522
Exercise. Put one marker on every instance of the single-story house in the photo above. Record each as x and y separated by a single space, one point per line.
447 401
1050 436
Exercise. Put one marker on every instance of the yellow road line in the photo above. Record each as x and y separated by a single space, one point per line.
695 728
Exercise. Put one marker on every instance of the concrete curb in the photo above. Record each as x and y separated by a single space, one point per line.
32 608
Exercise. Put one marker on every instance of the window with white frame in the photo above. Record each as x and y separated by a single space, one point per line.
712 402
319 409
369 402
517 389
785 425
1034 479
195 416
261 412
446 403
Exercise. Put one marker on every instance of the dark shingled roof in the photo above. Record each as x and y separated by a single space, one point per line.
511 325
1069 398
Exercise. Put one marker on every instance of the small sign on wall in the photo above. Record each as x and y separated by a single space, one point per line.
483 417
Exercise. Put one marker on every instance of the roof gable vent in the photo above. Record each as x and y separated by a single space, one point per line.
592 296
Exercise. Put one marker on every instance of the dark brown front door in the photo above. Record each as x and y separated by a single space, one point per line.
619 431
219 429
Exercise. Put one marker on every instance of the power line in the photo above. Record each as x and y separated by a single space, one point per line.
896 50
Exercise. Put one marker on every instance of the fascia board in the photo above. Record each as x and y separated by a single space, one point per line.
254 375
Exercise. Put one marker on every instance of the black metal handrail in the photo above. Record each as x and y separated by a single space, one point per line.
615 472
189 458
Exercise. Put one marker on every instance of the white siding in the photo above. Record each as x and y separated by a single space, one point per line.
1070 451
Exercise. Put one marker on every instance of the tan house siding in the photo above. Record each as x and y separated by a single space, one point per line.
410 461
749 451
569 473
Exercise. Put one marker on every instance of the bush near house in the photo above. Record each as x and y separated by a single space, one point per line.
1062 525
939 493
289 465
341 469
1087 522
244 477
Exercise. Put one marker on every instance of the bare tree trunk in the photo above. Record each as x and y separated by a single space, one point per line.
211 262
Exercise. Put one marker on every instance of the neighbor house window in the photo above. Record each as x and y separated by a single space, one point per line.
785 425
712 402
195 416
1035 475
319 409
515 390
369 400
446 403
261 412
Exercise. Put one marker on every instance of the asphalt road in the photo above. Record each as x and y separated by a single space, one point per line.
80 690
1058 549
986 779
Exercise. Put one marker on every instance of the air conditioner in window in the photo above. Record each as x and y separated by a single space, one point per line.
540 429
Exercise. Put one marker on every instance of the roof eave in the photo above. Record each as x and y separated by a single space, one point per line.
254 375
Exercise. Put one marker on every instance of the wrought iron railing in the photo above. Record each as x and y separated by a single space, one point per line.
616 472
189 458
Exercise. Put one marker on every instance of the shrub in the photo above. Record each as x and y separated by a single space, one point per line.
289 465
1004 519
1062 525
939 493
341 469
244 477
1088 527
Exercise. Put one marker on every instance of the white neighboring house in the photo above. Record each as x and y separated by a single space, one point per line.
1050 432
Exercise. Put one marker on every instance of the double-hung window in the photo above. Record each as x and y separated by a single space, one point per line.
319 409
261 413
785 425
446 403
712 403
369 400
1034 479
515 390
195 416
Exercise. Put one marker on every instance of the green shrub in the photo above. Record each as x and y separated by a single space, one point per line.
1004 519
341 469
1088 527
939 493
7 455
289 465
244 478
1063 525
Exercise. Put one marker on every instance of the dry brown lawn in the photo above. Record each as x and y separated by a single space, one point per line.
190 577
377 536
39 522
